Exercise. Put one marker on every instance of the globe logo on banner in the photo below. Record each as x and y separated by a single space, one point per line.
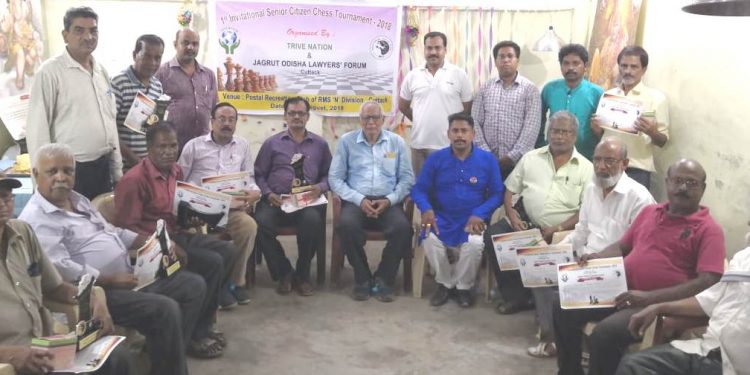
229 40
381 47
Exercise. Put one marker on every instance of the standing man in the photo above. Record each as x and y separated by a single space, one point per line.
137 77
190 85
372 173
222 152
72 103
457 194
574 94
429 95
653 127
550 182
673 250
276 176
507 110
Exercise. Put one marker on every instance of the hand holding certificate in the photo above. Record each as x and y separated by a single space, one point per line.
593 285
505 246
538 264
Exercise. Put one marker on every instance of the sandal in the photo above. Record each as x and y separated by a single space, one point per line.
543 350
219 337
205 348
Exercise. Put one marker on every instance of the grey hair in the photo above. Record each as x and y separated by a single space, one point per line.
365 104
567 116
51 150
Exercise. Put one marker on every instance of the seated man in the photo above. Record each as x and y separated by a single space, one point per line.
724 347
457 195
672 251
97 248
221 152
610 204
26 276
372 173
144 195
550 182
276 176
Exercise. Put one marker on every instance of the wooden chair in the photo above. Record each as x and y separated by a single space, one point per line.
320 253
337 254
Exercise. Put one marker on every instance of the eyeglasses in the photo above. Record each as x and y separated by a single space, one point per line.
607 161
688 182
371 118
7 199
296 113
556 131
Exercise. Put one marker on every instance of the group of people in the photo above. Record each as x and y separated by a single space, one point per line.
470 154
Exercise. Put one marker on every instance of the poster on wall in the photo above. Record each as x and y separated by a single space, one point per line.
615 27
336 56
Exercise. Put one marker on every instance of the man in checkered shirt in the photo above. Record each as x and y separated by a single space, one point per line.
507 110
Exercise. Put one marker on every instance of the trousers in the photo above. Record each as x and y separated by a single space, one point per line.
463 273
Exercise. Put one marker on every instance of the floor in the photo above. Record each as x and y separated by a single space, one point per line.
329 333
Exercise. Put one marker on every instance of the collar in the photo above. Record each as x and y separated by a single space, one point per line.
696 217
70 62
209 139
153 173
130 73
623 184
362 139
575 157
47 206
445 66
637 90
515 79
174 63
285 135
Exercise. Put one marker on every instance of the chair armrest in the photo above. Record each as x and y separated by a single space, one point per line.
336 204
409 208
668 327
7 369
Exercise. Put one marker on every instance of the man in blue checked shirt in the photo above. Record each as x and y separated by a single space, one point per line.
457 191
372 173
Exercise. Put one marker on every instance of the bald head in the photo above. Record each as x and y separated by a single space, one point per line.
186 45
688 165
686 183
615 145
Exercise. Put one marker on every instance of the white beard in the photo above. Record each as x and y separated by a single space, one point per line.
608 182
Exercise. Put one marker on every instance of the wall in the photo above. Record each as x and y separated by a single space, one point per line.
701 64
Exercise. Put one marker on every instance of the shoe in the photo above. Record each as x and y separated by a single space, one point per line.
543 350
205 348
382 291
512 307
464 298
226 300
304 288
440 297
241 294
285 285
361 292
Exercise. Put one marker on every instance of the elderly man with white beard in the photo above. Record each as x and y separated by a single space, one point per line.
610 204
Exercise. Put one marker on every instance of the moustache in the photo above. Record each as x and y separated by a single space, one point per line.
227 128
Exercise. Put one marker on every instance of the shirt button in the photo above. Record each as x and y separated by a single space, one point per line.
18 283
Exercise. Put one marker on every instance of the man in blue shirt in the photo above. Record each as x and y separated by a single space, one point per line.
372 173
457 193
574 94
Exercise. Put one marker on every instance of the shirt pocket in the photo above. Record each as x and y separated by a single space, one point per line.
389 166
570 193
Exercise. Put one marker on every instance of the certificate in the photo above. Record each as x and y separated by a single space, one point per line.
231 183
506 244
191 201
140 110
295 202
619 113
593 286
153 256
538 264
13 113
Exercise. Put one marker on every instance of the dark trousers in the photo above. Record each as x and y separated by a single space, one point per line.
668 360
208 257
398 234
607 343
310 223
119 362
93 177
509 283
165 312
640 176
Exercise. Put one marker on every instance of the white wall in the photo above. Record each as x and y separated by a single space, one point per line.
701 63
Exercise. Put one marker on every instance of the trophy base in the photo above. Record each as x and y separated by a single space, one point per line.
301 189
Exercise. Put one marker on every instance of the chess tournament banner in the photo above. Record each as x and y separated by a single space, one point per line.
336 56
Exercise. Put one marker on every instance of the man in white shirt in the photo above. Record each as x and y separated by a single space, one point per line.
72 103
221 152
652 125
723 349
429 94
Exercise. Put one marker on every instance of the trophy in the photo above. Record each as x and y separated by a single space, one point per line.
170 263
87 327
299 183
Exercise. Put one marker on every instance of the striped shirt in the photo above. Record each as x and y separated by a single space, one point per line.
125 86
508 119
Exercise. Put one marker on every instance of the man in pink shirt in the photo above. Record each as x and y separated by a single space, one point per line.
672 251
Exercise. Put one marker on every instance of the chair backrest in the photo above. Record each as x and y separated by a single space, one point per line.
105 204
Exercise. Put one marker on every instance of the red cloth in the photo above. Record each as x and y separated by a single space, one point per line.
144 195
667 250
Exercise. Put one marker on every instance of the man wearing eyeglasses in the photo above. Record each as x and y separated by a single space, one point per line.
372 173
672 251
550 182
275 176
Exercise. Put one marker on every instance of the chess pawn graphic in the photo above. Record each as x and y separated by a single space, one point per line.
238 77
243 78
274 86
230 82
266 85
254 84
220 79
248 82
